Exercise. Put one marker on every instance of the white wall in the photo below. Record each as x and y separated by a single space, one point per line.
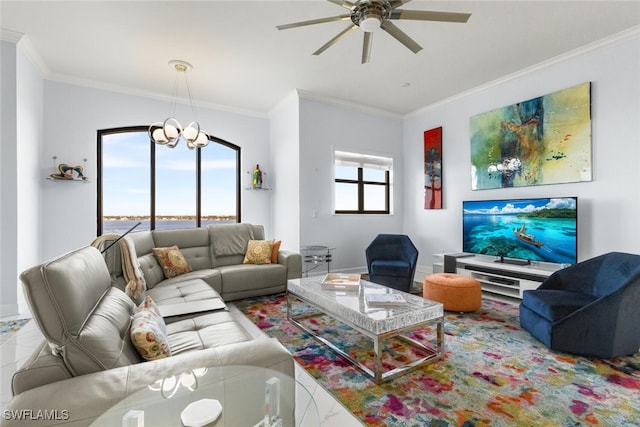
323 128
607 207
73 114
8 179
285 158
29 177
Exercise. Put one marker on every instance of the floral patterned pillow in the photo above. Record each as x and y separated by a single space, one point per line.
149 332
258 252
172 261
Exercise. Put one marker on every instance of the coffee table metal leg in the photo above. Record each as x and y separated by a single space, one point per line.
377 349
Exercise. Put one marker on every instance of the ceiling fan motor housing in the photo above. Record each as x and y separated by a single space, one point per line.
375 10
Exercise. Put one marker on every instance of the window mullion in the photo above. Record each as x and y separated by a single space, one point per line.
360 190
387 191
152 210
198 187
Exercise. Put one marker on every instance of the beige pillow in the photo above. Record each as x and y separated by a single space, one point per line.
149 332
172 261
258 252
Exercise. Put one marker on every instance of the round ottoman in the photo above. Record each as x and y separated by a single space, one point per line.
454 291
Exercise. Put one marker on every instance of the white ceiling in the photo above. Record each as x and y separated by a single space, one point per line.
241 61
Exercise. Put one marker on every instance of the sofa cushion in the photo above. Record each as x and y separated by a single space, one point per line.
82 317
248 277
149 332
258 252
207 331
193 243
172 261
151 270
230 239
174 291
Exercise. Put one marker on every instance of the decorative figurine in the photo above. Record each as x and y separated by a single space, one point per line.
67 172
257 177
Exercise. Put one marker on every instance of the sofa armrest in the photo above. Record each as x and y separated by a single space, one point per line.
293 262
42 367
80 400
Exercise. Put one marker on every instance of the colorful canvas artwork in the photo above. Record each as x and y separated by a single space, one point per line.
545 140
433 169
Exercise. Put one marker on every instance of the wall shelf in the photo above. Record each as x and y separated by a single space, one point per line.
68 173
82 181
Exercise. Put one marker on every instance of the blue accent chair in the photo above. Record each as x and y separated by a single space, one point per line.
589 309
391 261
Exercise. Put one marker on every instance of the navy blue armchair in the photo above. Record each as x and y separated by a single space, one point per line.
589 309
391 261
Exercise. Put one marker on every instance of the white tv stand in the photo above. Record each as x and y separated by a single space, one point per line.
502 278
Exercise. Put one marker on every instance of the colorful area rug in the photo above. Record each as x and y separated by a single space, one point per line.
493 374
8 328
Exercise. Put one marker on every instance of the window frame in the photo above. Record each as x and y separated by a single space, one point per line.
152 171
362 161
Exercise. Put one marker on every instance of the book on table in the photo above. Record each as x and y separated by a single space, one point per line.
341 281
384 300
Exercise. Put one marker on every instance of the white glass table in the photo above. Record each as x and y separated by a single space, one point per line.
377 323
239 389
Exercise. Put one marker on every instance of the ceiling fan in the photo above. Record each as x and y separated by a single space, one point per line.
370 15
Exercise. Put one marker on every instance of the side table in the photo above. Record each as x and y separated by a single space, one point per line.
314 256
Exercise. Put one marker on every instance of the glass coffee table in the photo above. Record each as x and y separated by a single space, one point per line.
240 390
379 324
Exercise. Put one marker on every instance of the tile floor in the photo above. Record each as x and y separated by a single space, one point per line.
15 350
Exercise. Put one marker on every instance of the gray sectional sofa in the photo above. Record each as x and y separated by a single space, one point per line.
88 362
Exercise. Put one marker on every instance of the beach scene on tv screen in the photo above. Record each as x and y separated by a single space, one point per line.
543 229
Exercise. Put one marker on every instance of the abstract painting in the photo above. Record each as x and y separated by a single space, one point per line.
433 169
545 140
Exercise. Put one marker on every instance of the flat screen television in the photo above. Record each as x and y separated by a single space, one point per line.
522 230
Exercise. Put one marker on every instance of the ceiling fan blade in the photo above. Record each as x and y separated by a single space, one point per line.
345 4
398 3
399 35
366 47
427 15
314 21
336 39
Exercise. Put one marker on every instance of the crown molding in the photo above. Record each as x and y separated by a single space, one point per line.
291 97
23 42
98 85
10 35
311 96
626 35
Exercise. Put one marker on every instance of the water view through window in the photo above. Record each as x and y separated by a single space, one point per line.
158 186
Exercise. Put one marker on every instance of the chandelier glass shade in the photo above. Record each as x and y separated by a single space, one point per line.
170 132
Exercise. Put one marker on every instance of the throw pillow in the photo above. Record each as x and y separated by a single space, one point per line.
149 305
149 332
172 261
274 251
258 252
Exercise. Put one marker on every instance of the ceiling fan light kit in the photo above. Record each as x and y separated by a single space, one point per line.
170 131
375 15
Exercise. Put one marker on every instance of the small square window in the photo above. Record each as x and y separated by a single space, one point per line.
362 183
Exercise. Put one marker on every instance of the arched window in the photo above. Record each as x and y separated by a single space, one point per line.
162 187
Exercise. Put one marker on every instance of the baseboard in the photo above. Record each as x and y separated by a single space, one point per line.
8 310
422 271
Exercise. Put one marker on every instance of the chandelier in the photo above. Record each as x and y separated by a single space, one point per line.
169 132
